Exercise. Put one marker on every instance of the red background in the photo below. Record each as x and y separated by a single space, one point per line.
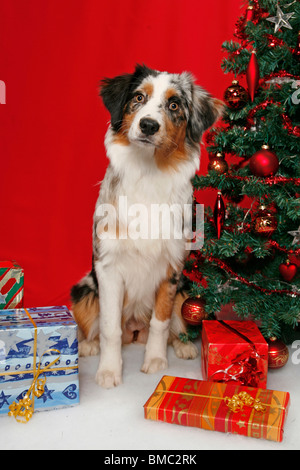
53 54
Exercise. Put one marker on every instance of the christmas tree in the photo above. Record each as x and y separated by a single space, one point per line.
252 237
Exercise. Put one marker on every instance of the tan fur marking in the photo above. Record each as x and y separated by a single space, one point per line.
147 89
121 137
165 297
173 151
170 92
86 312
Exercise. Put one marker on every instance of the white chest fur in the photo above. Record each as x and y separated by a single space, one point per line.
151 205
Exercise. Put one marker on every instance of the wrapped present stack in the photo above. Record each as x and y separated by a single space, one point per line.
11 285
38 360
233 396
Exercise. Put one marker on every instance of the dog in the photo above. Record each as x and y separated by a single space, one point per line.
133 290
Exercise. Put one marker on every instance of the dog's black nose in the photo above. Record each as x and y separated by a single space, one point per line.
149 126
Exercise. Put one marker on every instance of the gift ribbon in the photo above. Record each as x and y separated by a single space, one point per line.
238 333
24 408
234 403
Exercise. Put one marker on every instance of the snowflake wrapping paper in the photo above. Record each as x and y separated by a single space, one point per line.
33 340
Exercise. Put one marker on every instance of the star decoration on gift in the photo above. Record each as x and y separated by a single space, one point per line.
47 394
281 19
3 399
296 235
241 424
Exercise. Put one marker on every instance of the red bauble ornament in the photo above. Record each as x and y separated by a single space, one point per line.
219 214
218 163
252 75
288 270
264 162
235 96
193 311
278 353
265 222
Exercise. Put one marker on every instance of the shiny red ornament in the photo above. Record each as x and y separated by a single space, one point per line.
219 214
264 162
218 163
278 353
235 96
249 14
193 311
288 270
252 75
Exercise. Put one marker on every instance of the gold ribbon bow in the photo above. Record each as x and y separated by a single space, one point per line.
237 402
24 408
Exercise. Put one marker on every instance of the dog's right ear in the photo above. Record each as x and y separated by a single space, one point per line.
114 92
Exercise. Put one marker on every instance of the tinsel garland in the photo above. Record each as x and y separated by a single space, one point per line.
287 123
221 264
276 245
247 228
270 180
242 279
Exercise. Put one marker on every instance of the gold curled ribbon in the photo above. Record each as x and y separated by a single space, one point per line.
24 408
237 402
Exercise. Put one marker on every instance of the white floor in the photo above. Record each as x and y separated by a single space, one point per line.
114 419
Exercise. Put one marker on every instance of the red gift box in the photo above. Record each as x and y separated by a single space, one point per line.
252 412
234 351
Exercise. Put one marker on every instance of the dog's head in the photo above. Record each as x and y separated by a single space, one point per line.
161 110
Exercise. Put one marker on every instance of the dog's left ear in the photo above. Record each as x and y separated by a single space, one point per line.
204 111
114 92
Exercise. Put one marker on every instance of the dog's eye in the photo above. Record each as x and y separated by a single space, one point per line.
173 106
139 98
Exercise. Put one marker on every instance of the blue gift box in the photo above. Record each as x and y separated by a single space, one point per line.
38 345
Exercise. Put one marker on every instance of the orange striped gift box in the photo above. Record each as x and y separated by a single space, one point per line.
214 406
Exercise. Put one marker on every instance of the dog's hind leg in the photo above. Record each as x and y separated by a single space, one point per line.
187 350
85 309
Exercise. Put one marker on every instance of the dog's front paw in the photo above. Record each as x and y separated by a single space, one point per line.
154 365
108 378
185 350
88 348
